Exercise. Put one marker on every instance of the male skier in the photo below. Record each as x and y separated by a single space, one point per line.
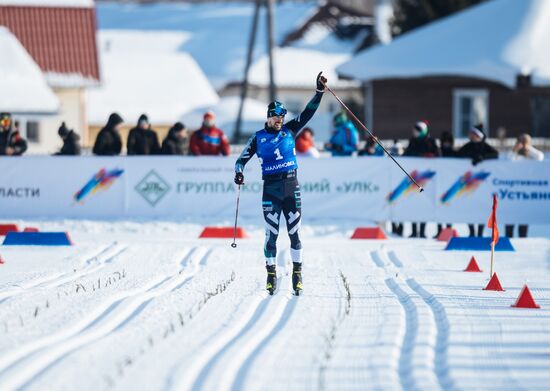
275 147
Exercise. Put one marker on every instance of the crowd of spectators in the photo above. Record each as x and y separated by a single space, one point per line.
344 141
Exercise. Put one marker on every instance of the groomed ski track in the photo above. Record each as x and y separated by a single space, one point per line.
166 312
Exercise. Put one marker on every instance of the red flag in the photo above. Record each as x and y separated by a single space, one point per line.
492 223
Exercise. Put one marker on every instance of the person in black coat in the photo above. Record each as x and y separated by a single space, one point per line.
421 144
177 140
108 141
447 142
142 140
71 145
478 150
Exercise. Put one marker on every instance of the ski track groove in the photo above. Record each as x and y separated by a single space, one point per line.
248 333
442 340
23 366
101 258
424 342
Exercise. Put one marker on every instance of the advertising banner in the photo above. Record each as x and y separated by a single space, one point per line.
368 189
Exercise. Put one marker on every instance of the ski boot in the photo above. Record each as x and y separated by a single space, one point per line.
271 284
297 278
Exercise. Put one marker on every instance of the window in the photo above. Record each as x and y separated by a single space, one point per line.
470 107
33 131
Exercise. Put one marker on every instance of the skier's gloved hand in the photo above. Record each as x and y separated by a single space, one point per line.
321 80
239 178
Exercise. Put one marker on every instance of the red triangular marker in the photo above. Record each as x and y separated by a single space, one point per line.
525 299
494 284
473 266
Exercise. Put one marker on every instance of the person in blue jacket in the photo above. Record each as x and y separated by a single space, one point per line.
345 138
276 150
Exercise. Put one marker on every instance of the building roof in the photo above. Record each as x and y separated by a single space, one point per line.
146 72
343 22
495 41
48 3
22 85
298 67
62 40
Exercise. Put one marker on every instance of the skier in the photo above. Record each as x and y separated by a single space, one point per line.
275 147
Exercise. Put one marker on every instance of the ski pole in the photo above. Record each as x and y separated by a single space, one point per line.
234 244
420 188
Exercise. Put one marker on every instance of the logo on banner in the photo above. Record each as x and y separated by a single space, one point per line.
152 188
466 183
100 181
406 185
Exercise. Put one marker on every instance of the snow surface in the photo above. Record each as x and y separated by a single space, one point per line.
146 305
496 40
219 32
48 3
226 110
145 71
22 84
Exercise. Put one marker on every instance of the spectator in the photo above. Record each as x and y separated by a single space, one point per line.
345 137
523 150
108 141
11 142
305 144
177 140
478 150
142 140
209 140
447 142
371 148
71 146
421 144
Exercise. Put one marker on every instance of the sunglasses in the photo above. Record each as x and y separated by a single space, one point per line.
277 112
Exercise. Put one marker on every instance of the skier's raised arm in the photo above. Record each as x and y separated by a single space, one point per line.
296 124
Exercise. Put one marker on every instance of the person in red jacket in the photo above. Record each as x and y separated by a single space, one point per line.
209 140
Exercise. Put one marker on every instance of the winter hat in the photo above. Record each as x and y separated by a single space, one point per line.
422 128
63 131
209 114
178 126
478 131
114 120
276 109
143 119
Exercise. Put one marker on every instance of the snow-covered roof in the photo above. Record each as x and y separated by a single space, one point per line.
146 72
226 110
48 3
219 31
496 40
23 88
297 67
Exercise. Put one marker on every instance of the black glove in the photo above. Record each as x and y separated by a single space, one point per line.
477 159
321 80
239 178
